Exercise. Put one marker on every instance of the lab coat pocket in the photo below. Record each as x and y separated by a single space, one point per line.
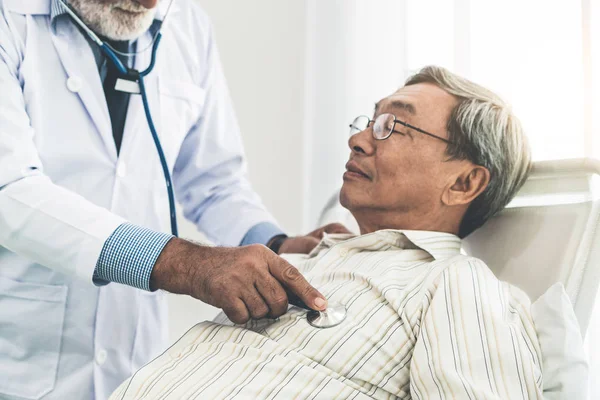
31 325
181 105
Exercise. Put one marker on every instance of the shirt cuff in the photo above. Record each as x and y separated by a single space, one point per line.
129 255
261 234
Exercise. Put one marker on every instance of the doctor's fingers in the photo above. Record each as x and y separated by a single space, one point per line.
236 311
273 295
255 304
292 279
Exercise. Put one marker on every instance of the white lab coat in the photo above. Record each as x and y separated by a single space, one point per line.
63 191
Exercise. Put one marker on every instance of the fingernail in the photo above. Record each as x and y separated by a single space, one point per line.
320 303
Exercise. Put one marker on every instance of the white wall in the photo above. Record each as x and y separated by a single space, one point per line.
355 57
262 46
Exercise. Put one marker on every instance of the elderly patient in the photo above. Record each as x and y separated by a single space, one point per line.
438 158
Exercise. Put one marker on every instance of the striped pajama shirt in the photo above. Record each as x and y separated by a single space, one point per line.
424 322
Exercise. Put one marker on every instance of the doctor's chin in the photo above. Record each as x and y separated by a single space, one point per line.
154 246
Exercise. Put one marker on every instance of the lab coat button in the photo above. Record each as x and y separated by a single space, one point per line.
74 84
101 357
121 170
343 252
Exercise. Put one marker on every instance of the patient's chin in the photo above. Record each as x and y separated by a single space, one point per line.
347 200
358 201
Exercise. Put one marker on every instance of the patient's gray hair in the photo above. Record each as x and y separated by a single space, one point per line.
484 130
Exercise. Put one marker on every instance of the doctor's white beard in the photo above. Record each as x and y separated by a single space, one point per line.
119 20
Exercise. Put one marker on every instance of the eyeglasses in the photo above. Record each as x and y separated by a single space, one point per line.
384 125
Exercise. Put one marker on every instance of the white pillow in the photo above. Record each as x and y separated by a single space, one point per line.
564 365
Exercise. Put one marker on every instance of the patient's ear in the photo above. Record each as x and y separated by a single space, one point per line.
469 184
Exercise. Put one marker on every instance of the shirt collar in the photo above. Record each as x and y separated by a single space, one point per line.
439 245
56 9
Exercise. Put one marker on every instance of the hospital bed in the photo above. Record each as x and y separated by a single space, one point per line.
549 233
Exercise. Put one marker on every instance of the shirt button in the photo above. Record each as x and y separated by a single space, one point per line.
74 84
121 170
101 357
343 252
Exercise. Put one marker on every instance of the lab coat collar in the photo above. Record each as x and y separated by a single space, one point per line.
439 245
80 65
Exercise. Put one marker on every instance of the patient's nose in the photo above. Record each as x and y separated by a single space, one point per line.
362 142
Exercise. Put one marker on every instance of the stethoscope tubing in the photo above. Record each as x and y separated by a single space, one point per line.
159 149
126 72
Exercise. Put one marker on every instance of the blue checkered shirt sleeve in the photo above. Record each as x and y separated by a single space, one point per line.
129 255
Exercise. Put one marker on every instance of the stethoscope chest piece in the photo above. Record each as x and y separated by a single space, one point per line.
332 316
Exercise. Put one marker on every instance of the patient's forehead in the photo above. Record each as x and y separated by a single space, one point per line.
417 98
422 100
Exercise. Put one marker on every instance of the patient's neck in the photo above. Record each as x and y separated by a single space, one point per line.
373 220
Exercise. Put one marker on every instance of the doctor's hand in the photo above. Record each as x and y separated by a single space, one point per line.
246 282
305 244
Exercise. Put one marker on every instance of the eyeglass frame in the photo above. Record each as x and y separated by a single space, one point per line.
393 130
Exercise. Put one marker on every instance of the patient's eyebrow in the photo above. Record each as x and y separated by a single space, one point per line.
408 107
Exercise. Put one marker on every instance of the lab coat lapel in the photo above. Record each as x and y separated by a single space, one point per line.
136 122
84 80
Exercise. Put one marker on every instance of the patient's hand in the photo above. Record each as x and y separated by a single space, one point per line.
305 244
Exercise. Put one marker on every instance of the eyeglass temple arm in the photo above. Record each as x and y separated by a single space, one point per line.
411 127
406 124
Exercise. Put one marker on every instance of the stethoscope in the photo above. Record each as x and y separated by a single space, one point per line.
333 315
135 76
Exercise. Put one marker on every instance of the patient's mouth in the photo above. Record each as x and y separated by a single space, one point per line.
354 171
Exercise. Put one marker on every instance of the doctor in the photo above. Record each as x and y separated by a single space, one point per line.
83 199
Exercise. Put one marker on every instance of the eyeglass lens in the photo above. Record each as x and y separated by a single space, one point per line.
359 124
384 124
